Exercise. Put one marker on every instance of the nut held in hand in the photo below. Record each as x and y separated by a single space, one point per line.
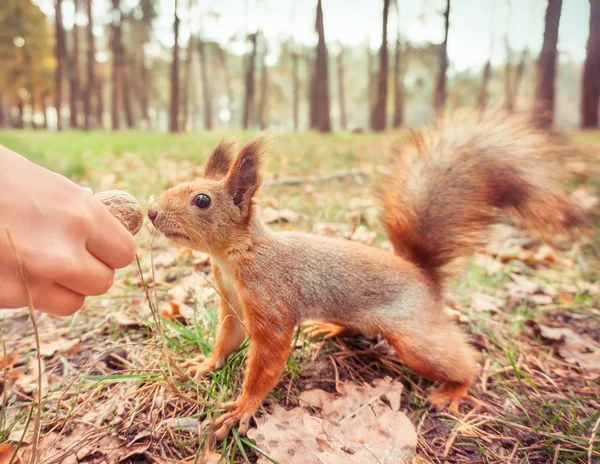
124 207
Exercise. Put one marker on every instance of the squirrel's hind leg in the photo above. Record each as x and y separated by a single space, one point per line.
315 329
438 350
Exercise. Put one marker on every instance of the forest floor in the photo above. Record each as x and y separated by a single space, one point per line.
112 391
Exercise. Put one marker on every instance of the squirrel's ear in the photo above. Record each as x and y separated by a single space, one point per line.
244 179
218 163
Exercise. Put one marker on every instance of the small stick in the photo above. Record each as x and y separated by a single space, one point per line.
38 416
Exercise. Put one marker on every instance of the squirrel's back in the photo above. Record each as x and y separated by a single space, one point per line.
450 181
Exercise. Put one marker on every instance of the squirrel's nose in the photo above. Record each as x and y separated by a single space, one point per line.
152 213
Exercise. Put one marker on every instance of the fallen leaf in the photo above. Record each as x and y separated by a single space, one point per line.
272 215
484 302
28 383
333 229
572 347
62 346
354 426
363 235
124 320
186 424
6 452
455 315
585 199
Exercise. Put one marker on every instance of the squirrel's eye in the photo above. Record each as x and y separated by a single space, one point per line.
202 201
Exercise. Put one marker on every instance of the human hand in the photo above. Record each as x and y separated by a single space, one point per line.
68 242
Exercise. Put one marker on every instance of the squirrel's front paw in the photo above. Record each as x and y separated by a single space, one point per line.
199 366
238 414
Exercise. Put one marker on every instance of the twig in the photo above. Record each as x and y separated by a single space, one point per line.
592 437
38 416
319 178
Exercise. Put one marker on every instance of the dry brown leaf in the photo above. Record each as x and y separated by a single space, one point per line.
484 302
272 215
124 320
6 452
28 383
585 199
47 349
572 347
363 235
333 229
455 315
354 426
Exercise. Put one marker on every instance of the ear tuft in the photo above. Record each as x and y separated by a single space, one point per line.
218 163
244 179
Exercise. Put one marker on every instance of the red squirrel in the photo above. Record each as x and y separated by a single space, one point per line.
447 185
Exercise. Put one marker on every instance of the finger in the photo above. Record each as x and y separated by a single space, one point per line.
56 299
110 242
89 276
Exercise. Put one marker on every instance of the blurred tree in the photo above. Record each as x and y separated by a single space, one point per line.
398 75
370 81
378 112
60 60
590 90
249 94
515 83
508 92
440 86
341 93
206 92
295 88
74 70
187 78
546 67
27 62
484 93
319 97
224 65
116 63
91 75
174 107
263 118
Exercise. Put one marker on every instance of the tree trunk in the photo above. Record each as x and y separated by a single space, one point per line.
91 61
126 93
590 88
296 90
206 93
264 81
249 98
546 68
100 100
370 84
341 93
20 121
74 70
513 90
319 99
508 69
440 86
187 82
117 67
378 120
60 58
174 108
3 118
398 77
484 94
44 111
227 77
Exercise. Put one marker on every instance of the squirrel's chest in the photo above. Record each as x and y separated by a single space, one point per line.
227 286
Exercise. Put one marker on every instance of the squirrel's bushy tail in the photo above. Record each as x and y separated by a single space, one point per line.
450 181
